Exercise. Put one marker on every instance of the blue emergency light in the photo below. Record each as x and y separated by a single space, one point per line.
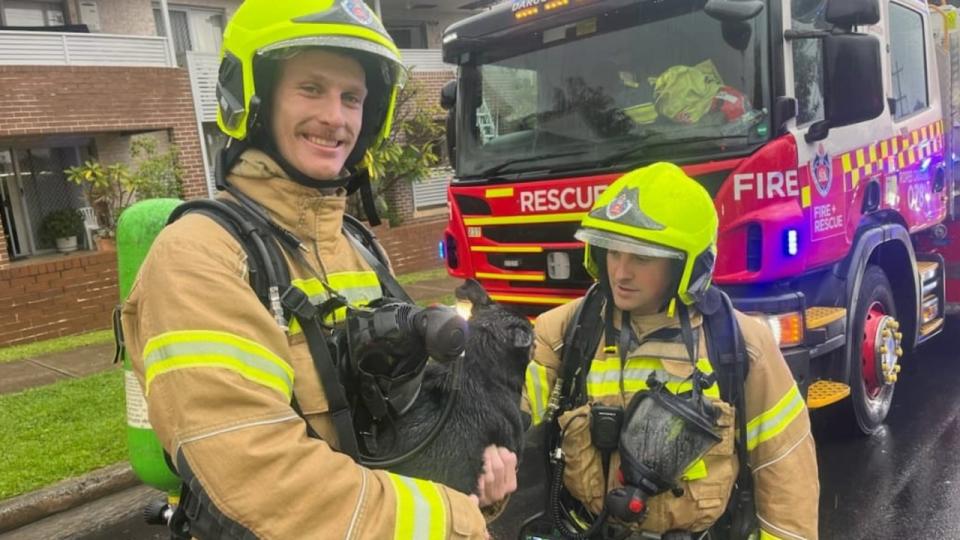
791 242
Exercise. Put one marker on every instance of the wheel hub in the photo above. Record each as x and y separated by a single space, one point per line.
881 349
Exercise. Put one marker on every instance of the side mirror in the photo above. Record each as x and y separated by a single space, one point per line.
853 82
737 34
850 13
733 10
448 102
451 128
448 95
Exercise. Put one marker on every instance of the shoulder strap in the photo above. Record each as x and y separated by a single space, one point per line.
728 354
366 244
580 343
268 266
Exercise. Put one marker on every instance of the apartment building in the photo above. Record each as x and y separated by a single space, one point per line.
80 79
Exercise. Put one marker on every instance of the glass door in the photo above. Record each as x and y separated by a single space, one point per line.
11 209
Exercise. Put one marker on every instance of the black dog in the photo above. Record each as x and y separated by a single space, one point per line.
487 406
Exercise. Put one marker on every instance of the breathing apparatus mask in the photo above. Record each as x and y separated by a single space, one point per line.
383 348
663 434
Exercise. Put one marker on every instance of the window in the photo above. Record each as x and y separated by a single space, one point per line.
908 65
409 36
199 30
808 60
32 13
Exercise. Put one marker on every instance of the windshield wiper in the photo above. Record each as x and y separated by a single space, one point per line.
501 166
636 152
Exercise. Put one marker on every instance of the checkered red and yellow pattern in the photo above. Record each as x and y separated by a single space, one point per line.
893 154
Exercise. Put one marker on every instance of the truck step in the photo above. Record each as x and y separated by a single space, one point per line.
818 317
823 393
927 270
931 327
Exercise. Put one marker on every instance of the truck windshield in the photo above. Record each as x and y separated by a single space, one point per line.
651 81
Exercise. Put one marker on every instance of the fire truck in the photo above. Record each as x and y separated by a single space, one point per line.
823 130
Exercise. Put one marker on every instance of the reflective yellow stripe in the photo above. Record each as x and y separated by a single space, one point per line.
539 276
604 377
507 249
538 391
514 220
696 471
358 288
764 535
847 166
208 348
496 193
530 299
420 510
772 422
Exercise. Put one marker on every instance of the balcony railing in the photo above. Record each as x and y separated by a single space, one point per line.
67 49
425 60
203 69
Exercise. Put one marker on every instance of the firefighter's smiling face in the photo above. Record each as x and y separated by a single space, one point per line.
317 111
640 285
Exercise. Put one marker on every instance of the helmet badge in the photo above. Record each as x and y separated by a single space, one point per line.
619 206
357 10
625 208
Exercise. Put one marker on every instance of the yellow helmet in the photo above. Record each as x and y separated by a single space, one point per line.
656 211
262 28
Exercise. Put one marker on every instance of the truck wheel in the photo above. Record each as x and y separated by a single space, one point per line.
874 351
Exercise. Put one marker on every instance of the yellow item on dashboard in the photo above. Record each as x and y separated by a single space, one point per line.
684 93
644 113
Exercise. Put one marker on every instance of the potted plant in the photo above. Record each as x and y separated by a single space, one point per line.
110 189
61 228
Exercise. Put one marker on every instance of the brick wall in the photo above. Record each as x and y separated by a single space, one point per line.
76 294
41 100
131 17
46 300
3 247
413 247
430 83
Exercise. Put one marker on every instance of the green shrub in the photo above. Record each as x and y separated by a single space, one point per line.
62 223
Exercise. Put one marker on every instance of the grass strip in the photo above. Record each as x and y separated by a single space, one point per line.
60 344
425 275
446 300
61 430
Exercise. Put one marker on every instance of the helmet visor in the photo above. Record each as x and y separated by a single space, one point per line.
397 76
617 242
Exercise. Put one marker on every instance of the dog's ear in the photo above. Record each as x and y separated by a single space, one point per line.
472 290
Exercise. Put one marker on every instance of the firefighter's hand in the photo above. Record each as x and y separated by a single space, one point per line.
499 476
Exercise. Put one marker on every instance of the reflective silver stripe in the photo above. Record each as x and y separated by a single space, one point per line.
197 349
773 421
421 511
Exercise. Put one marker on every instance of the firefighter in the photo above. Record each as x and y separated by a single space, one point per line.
306 88
650 241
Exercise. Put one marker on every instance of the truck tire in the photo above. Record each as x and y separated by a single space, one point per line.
870 398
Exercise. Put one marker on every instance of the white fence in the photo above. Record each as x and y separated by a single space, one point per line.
425 60
74 49
203 69
432 191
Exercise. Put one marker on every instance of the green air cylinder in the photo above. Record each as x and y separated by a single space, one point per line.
138 226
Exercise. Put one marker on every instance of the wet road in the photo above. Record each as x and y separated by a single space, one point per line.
902 483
